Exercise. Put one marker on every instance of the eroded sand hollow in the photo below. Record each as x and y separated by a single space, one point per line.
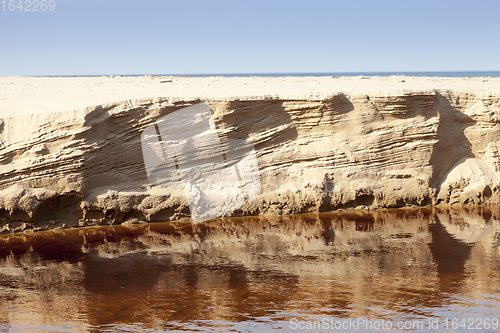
315 152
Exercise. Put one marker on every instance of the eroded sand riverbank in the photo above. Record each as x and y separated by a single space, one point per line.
72 149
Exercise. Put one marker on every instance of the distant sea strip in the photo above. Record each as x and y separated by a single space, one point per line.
334 74
340 74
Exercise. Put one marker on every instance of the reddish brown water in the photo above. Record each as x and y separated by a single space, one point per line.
405 267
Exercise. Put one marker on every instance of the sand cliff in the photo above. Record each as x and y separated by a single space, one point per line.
320 144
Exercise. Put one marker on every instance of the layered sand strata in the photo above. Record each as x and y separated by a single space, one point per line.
71 151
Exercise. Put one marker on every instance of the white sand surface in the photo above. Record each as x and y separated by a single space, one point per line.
24 95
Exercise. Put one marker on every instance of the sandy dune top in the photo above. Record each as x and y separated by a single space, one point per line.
24 95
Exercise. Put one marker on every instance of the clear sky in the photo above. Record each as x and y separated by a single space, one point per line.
100 37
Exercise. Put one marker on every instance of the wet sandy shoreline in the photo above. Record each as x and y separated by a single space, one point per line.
72 243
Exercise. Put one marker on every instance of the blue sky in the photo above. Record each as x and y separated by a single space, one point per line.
94 37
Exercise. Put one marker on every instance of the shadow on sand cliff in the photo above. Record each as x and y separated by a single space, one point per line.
452 143
115 137
242 120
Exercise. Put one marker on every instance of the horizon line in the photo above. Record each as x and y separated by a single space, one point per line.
347 73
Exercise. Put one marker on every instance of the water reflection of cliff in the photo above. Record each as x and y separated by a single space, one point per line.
395 264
